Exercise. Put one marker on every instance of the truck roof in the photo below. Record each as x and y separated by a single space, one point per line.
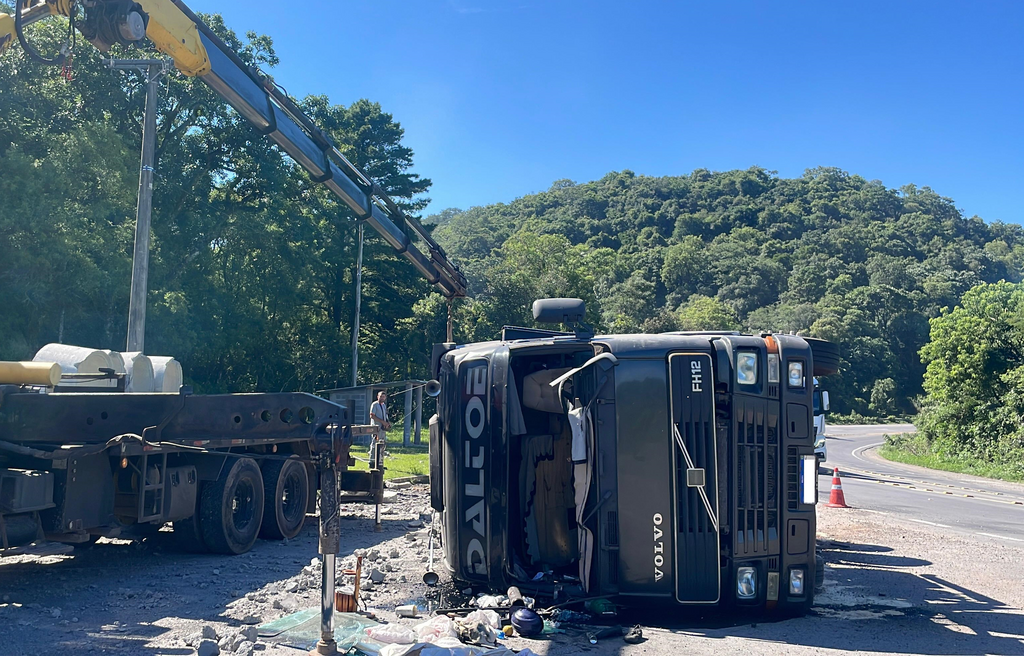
630 344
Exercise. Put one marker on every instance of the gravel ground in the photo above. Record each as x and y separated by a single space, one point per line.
890 588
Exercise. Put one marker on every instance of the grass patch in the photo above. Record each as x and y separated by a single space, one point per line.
914 449
857 418
399 462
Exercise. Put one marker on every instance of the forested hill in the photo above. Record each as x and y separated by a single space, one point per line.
829 254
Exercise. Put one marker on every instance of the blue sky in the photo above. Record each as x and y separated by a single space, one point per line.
499 99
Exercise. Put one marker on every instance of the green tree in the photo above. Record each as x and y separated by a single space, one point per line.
975 376
706 313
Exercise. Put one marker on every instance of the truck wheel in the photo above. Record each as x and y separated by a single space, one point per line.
285 495
187 532
231 508
825 355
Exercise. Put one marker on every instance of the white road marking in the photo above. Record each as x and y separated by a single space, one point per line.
859 450
909 482
923 521
1001 537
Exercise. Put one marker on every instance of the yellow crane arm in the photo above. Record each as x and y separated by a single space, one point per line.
178 33
166 25
6 32
177 36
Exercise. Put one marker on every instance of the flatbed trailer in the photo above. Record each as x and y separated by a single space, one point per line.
225 469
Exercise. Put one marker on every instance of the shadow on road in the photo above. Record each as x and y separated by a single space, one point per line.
873 601
115 597
124 594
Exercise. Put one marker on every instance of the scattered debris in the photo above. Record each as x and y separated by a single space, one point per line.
527 622
408 610
392 634
606 632
634 636
207 648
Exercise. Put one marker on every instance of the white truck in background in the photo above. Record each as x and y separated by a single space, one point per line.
820 400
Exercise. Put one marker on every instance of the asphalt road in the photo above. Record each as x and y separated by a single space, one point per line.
992 510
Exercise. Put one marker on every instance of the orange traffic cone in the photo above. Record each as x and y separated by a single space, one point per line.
836 499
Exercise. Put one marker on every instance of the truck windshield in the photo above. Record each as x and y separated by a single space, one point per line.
817 402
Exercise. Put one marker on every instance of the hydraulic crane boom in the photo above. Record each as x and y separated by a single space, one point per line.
178 33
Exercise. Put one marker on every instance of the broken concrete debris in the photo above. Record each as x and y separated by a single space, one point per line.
207 648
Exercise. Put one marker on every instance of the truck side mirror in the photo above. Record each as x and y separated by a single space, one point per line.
824 401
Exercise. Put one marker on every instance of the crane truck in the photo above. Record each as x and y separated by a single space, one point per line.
224 469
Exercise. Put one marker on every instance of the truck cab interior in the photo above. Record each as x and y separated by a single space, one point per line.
543 524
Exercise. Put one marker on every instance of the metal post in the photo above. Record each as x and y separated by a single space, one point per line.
408 413
450 334
419 414
154 70
359 298
330 544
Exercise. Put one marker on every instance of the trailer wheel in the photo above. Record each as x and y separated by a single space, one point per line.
825 355
285 495
187 532
231 508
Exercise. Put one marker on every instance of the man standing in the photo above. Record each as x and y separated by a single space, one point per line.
379 418
379 413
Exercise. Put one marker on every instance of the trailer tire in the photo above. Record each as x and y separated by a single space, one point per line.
825 355
187 533
231 508
285 497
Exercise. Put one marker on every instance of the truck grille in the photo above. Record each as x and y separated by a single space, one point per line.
756 489
697 542
792 478
691 515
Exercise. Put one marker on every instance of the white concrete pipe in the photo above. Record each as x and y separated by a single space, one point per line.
139 371
167 375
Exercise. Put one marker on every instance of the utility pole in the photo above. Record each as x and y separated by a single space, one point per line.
154 70
359 298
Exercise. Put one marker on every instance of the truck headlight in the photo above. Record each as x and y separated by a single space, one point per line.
796 582
773 367
796 374
746 582
746 368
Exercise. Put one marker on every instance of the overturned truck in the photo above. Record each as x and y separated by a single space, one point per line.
660 469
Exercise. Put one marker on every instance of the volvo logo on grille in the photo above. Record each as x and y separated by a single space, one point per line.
659 547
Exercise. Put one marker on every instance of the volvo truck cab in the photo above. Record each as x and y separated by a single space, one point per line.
660 469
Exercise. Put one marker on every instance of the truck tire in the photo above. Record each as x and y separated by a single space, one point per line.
285 496
825 355
187 532
231 508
